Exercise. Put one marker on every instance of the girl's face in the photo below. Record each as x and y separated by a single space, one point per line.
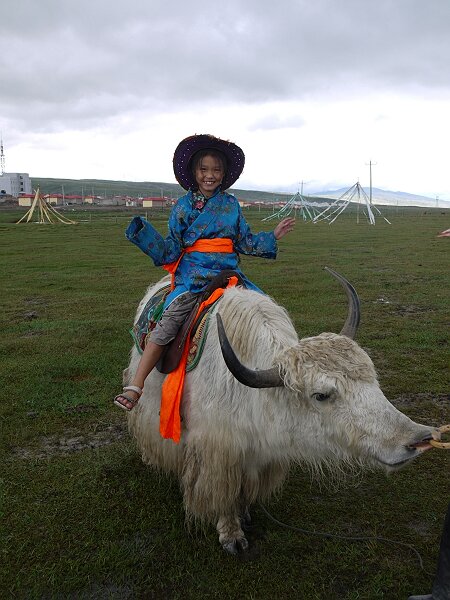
208 175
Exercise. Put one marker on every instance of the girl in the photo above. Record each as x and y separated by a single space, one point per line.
207 231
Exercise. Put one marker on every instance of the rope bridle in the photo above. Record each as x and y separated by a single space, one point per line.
441 445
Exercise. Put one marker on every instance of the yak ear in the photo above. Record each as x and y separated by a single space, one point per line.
353 317
268 378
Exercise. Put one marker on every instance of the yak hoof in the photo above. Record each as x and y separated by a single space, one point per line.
238 546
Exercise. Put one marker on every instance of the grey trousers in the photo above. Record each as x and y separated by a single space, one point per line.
172 319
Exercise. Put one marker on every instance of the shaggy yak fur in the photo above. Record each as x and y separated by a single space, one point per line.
238 443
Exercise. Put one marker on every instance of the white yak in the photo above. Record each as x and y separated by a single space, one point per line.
315 401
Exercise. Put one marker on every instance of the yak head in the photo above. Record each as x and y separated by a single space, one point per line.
333 394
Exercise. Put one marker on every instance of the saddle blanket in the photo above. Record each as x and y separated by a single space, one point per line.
150 315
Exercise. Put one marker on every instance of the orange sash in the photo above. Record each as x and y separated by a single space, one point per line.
214 245
172 389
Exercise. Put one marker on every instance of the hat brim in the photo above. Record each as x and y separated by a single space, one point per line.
189 146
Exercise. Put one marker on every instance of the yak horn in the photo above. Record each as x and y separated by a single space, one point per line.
353 316
268 378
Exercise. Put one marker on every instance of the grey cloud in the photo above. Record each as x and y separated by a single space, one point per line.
74 62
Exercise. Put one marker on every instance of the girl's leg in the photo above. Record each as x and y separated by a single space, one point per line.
152 353
164 332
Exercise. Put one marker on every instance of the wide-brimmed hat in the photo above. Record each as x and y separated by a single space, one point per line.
182 159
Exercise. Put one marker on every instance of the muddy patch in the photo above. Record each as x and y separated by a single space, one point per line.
407 310
31 333
35 301
31 312
403 310
71 441
30 316
432 409
382 300
418 400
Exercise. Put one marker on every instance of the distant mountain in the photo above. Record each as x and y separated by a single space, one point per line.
389 198
108 188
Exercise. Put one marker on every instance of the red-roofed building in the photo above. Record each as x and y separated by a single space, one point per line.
25 199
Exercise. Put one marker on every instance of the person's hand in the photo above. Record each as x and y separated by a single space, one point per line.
284 227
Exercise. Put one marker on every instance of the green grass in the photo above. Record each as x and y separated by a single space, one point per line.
82 517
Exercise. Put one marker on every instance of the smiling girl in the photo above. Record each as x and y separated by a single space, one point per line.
207 232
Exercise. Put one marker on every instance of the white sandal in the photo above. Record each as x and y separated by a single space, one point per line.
134 401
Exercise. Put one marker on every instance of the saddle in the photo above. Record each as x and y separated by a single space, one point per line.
172 355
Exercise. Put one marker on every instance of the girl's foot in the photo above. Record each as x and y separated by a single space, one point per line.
129 397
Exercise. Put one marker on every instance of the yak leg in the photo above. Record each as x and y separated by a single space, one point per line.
246 519
232 530
212 489
231 536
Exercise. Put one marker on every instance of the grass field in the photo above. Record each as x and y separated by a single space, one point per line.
82 517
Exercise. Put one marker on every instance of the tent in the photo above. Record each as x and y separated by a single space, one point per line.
354 194
45 213
301 207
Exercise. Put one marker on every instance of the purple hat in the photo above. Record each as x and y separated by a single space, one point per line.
182 159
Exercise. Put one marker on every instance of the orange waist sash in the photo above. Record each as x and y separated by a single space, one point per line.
172 389
224 245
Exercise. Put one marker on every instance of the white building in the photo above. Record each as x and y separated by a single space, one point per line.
15 184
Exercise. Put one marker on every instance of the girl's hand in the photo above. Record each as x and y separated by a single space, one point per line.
284 227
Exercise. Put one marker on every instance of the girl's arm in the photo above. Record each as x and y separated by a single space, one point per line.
161 250
262 244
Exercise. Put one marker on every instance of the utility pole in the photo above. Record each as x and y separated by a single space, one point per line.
370 189
2 157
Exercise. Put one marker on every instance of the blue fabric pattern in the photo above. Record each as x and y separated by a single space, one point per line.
221 217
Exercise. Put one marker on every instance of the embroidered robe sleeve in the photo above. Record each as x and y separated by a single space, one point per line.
161 250
261 244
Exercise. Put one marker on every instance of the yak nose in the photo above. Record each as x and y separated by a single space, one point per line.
423 438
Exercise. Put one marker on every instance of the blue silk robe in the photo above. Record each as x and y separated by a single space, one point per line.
221 217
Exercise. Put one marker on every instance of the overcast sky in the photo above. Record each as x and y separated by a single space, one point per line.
312 90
